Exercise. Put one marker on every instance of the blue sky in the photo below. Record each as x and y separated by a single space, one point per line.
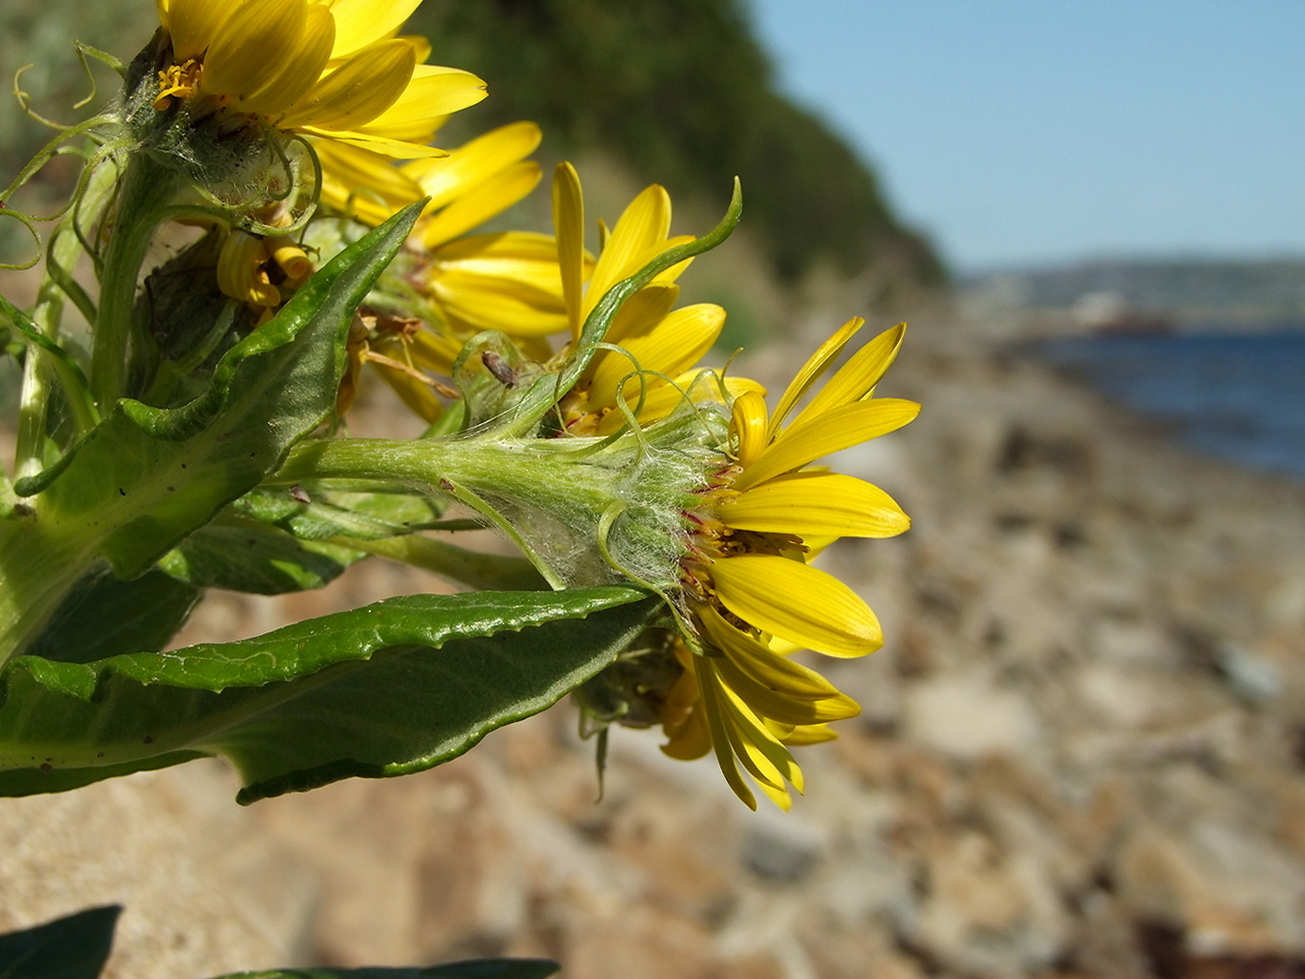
1035 132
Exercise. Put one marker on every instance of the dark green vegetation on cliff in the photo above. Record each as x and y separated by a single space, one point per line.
682 93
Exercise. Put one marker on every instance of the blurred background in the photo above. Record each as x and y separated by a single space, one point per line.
1082 746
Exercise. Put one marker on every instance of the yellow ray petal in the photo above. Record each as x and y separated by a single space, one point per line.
643 311
569 226
193 24
748 423
836 429
857 378
519 256
714 712
252 46
446 179
807 734
481 202
358 91
358 23
419 397
764 665
432 351
660 399
797 602
811 371
642 228
772 705
763 755
432 94
494 305
677 343
691 739
376 187
396 149
300 69
820 504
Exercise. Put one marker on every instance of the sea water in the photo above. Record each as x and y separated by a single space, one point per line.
1237 396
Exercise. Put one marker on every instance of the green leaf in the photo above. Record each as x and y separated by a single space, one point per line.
146 477
392 688
74 947
471 969
316 512
104 616
239 554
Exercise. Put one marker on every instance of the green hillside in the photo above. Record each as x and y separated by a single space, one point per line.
683 94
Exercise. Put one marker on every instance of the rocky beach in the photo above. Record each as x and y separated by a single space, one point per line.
1080 755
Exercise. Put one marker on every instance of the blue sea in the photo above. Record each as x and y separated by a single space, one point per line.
1237 396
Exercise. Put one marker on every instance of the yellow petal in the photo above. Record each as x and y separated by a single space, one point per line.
676 344
762 663
714 712
525 256
642 228
569 226
806 734
820 504
762 754
857 378
641 313
239 270
837 429
359 23
691 739
489 305
815 366
193 24
660 400
356 92
301 68
797 602
252 47
434 351
749 427
359 181
395 149
446 179
480 203
773 705
432 94
292 259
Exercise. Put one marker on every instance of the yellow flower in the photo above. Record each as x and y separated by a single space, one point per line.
506 281
748 583
640 235
331 69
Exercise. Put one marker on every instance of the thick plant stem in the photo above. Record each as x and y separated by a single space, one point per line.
146 196
472 568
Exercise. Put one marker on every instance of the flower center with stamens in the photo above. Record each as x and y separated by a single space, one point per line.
178 81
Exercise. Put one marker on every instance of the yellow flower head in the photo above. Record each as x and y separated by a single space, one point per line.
331 69
748 583
646 368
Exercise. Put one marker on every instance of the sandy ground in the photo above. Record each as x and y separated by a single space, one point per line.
1080 755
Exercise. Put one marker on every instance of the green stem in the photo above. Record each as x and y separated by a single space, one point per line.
144 201
553 498
472 568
